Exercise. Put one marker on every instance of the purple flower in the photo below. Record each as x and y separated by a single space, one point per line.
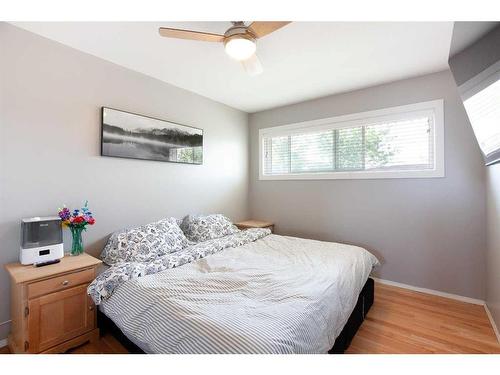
65 214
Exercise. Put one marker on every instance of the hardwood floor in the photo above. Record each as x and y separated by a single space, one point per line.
107 345
404 321
400 321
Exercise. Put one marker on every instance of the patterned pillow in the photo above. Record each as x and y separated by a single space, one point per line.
144 243
198 228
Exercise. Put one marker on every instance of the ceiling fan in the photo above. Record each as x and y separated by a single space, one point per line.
239 40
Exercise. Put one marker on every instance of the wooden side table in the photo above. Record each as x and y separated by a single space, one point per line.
255 224
50 309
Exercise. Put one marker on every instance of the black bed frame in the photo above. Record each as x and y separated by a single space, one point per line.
365 301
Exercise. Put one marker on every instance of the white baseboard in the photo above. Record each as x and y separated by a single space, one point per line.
431 291
3 343
492 322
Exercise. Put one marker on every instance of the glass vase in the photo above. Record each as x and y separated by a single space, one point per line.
77 243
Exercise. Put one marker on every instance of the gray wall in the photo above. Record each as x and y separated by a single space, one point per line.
477 57
465 65
429 233
50 103
493 240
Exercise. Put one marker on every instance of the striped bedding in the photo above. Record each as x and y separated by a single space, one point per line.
274 294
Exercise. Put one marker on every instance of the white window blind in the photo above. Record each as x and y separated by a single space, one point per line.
483 109
397 142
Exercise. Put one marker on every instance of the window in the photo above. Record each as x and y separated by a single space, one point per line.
482 103
397 142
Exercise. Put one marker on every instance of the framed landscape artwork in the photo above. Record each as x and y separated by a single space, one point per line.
129 135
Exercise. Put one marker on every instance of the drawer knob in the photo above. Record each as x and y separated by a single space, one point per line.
65 282
91 308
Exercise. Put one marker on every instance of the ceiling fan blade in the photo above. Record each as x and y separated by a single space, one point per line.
252 65
262 28
189 34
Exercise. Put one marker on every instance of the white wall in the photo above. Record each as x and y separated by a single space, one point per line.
429 233
50 103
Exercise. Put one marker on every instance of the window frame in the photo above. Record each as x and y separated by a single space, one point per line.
433 107
475 85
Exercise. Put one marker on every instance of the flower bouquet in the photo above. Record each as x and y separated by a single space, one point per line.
77 223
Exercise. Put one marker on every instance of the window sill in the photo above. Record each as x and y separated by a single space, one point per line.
434 173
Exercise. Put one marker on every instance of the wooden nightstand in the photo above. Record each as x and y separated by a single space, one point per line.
50 309
255 224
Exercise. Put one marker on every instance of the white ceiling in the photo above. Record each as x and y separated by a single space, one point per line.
303 60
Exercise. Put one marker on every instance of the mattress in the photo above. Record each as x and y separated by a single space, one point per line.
276 294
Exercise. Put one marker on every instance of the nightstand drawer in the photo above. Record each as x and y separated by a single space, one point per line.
59 283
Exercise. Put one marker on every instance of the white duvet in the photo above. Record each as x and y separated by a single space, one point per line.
275 295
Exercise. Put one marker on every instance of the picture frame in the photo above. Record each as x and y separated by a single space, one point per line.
135 136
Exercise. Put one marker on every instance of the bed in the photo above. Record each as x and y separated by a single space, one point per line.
248 292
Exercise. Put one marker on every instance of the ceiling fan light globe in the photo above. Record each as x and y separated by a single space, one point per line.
240 48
